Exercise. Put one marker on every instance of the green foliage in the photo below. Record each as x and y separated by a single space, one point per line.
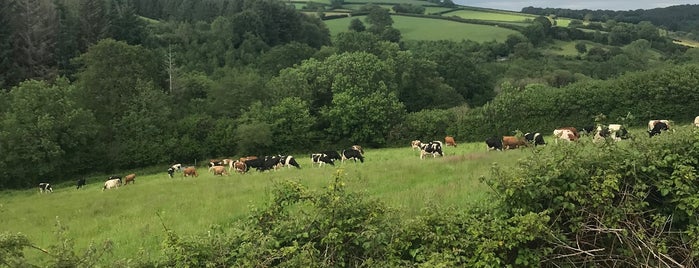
45 129
289 120
615 201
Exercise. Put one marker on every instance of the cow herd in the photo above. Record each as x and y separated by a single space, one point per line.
614 132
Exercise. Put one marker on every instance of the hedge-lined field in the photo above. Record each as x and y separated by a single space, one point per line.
490 16
127 216
413 28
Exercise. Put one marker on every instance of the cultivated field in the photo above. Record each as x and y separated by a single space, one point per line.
491 16
413 28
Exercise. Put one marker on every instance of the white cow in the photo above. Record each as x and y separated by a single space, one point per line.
113 183
696 121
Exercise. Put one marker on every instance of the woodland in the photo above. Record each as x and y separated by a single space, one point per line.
98 86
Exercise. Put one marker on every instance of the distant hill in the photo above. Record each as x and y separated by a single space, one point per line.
675 18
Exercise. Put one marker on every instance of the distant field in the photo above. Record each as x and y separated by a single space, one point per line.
359 6
413 28
689 43
491 16
414 2
430 10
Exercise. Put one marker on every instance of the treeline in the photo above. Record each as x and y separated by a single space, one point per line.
675 18
264 80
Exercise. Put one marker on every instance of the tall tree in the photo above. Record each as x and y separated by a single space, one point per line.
44 134
66 38
9 75
125 25
34 38
94 22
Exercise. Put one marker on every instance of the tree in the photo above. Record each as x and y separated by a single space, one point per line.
125 25
289 120
357 25
379 18
365 104
94 22
35 24
581 47
44 134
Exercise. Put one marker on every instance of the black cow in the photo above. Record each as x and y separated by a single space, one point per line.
321 159
494 143
45 187
588 130
535 138
80 183
434 148
352 154
657 129
288 161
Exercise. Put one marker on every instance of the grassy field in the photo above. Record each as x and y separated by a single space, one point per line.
132 216
491 16
128 215
413 28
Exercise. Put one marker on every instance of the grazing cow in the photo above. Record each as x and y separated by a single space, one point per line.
215 163
257 163
115 178
449 141
512 142
353 154
434 148
171 172
190 171
566 133
271 162
652 123
587 130
332 154
415 144
111 183
288 161
130 178
696 121
358 148
45 187
658 128
80 183
220 170
494 143
615 131
176 167
535 138
240 166
320 159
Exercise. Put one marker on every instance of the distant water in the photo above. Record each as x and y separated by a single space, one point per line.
589 4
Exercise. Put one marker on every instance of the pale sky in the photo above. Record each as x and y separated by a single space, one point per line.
515 5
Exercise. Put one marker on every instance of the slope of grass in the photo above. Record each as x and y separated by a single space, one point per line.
491 16
413 28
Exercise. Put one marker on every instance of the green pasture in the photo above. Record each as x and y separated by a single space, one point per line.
413 28
490 16
414 2
432 9
133 216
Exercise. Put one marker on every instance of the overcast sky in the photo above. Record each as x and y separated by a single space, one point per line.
587 4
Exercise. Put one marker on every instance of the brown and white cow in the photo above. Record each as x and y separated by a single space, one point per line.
449 141
220 170
566 133
513 142
415 144
190 171
130 178
240 166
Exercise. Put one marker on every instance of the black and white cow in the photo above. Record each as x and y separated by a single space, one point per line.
535 138
494 143
288 161
352 154
657 129
434 148
171 172
45 187
176 167
332 154
320 159
257 163
80 183
115 178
